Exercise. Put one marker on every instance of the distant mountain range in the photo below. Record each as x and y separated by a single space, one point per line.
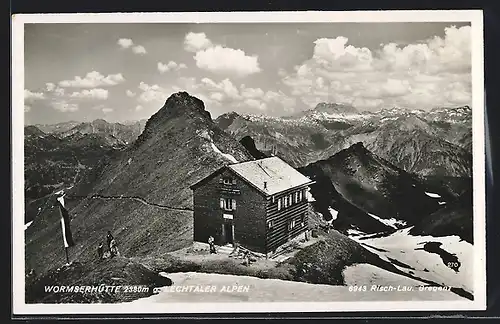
127 132
436 142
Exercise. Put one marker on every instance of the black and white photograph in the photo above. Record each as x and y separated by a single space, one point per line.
241 162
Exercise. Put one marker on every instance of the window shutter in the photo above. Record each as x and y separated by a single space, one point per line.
279 203
234 204
222 203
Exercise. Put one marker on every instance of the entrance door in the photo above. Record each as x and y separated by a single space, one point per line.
228 231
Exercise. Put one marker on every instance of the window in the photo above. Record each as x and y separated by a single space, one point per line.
303 219
291 224
297 197
300 195
279 203
227 181
270 224
286 201
228 204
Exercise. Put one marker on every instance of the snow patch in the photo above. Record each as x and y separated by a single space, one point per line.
392 222
432 195
227 156
442 202
206 135
310 197
333 212
402 246
354 232
27 225
254 289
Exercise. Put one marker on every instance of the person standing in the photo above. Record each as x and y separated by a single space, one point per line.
100 251
112 248
109 238
212 245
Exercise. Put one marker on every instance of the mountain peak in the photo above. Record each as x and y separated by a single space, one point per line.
180 105
226 119
335 108
99 121
33 130
183 103
358 147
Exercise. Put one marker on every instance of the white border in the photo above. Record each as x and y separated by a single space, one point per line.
473 16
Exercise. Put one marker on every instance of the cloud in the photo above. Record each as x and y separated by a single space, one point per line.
125 42
49 86
96 93
138 108
170 66
130 93
151 93
194 42
216 95
92 80
107 110
425 74
139 49
28 95
128 43
225 87
220 59
281 99
27 108
59 92
254 103
64 106
251 92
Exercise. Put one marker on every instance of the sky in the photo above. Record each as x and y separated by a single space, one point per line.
126 72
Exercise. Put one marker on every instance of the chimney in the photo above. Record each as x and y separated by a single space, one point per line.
265 185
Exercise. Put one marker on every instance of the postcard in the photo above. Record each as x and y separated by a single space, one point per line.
230 162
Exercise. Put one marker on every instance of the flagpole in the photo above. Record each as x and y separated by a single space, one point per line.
67 258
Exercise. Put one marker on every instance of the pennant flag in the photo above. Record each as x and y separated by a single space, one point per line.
66 230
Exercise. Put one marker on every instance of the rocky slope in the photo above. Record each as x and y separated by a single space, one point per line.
179 145
369 194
